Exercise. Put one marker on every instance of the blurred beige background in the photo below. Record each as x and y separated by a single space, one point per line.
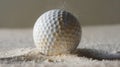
24 13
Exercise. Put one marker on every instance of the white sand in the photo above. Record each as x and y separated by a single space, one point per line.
16 42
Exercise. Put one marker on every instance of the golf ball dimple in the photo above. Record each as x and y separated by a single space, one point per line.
56 32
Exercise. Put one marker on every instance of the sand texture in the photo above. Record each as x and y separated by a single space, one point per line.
97 41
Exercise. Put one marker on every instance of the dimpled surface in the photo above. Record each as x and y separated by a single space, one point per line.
56 32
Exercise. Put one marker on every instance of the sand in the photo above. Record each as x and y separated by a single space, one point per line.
18 42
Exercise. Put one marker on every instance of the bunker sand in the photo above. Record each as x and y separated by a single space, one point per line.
95 38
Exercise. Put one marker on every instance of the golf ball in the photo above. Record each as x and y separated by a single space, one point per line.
56 32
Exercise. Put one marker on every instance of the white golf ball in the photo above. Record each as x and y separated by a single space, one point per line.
56 32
